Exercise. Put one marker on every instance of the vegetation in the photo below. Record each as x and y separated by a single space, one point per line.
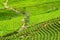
48 30
38 19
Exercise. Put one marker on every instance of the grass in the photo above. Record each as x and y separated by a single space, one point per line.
43 8
43 12
39 11
38 32
8 22
43 17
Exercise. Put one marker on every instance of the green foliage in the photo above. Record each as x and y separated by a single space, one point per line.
43 17
38 32
8 21
43 12
39 11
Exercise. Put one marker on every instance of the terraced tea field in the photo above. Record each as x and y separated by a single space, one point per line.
49 30
30 20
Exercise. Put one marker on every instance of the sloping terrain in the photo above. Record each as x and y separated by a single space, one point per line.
9 21
48 30
43 12
43 22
